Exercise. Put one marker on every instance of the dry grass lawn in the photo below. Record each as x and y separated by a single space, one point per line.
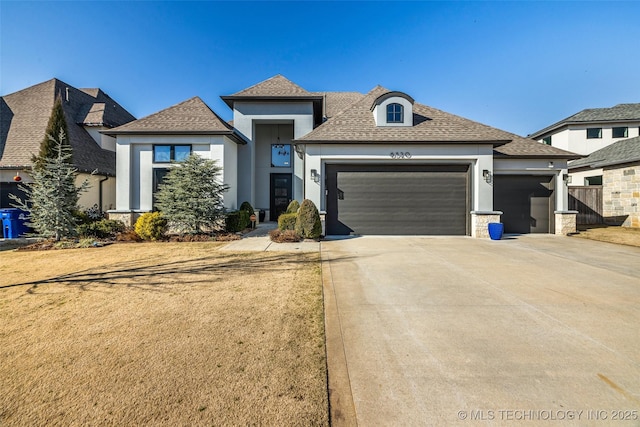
611 234
171 334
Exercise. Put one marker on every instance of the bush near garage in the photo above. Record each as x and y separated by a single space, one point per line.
151 226
308 223
287 221
237 221
293 207
103 229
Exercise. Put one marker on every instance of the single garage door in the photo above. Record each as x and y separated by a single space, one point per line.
527 202
397 200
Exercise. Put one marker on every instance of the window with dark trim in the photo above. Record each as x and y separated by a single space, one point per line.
547 140
594 133
158 178
395 113
594 180
167 153
620 132
280 155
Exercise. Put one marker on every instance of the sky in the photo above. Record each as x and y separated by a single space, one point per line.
515 65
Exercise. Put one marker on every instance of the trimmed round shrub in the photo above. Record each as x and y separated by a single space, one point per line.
287 221
293 207
246 206
237 221
151 226
308 223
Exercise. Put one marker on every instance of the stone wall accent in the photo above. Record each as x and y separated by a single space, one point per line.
480 223
621 195
129 218
565 222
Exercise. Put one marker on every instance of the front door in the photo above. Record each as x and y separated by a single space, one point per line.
281 194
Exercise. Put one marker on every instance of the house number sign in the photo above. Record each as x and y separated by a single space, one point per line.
400 155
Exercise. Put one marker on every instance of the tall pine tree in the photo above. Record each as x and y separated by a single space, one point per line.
52 197
57 123
190 197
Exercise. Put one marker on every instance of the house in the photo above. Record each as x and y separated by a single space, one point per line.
23 122
374 163
591 130
619 166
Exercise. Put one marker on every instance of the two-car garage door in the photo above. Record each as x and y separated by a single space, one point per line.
397 199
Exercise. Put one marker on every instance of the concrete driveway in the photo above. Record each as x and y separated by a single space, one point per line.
530 330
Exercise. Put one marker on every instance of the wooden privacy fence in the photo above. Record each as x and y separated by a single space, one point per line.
588 202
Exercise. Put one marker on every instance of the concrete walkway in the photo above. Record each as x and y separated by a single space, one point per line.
530 330
258 240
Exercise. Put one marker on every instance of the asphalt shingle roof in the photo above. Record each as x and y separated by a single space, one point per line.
620 112
24 116
625 151
277 85
356 124
192 116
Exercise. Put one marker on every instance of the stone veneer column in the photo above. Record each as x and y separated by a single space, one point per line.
566 222
480 222
621 196
129 218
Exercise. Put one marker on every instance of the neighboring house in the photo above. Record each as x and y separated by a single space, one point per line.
619 166
23 122
591 130
375 163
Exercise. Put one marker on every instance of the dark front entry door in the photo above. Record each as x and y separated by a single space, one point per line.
281 194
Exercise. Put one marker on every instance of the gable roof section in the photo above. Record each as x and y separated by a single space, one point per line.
277 87
617 113
625 151
190 117
25 114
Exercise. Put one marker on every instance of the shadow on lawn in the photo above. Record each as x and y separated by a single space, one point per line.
141 274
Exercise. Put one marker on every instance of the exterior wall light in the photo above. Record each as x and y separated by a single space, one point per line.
315 176
550 165
488 177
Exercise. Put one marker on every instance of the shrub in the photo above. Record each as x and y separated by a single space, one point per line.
128 235
246 206
151 226
286 236
102 229
287 221
237 221
293 207
308 224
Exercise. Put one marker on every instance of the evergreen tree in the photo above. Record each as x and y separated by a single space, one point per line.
57 124
52 197
190 197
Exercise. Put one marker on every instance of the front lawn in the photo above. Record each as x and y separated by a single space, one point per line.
161 334
611 234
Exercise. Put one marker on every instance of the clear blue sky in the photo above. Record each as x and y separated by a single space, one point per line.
518 66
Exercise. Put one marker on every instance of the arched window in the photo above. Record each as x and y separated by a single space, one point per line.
395 113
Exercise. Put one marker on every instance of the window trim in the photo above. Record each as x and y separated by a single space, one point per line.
172 151
594 137
393 114
626 131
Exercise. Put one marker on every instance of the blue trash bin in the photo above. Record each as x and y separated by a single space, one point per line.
13 223
495 230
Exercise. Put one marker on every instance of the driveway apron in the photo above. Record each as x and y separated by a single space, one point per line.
529 330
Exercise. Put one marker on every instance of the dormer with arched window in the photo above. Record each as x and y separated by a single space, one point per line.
393 109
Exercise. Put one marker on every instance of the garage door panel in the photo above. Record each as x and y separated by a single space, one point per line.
526 202
411 200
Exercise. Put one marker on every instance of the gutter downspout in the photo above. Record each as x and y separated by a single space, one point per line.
106 178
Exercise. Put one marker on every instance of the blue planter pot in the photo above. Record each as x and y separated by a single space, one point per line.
495 230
